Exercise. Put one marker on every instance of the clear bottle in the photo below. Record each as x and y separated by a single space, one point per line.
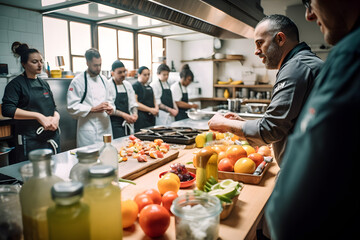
35 195
69 218
104 199
87 157
109 154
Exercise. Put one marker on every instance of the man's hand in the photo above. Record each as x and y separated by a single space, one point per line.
194 105
173 112
154 111
218 123
102 107
233 116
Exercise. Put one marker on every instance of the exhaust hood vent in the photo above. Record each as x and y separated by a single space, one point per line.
218 18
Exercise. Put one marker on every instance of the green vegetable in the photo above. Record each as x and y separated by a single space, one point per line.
127 181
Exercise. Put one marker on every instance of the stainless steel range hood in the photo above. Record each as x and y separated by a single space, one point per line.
218 18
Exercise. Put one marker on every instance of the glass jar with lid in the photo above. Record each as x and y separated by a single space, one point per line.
87 158
104 199
35 195
69 218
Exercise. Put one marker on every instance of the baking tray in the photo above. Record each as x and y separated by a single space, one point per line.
178 135
240 177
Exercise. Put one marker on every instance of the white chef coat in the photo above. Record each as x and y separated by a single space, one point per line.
90 126
176 91
163 118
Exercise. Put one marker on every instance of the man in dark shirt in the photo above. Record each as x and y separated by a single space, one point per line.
315 196
277 43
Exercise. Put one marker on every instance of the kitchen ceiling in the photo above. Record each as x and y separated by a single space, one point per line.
103 14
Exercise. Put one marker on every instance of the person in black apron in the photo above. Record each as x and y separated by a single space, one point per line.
123 119
30 101
163 95
180 95
147 109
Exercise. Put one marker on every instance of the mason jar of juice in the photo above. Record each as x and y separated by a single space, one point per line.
104 199
35 195
69 218
87 157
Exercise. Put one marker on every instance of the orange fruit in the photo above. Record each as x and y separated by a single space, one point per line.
167 184
245 165
217 149
142 200
168 198
225 165
249 149
221 155
172 176
129 212
154 195
264 150
154 220
257 158
235 152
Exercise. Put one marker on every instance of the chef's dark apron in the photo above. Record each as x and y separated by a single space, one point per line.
121 104
182 111
41 101
166 97
145 119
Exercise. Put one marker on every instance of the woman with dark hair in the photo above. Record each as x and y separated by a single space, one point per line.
180 94
147 107
29 100
167 107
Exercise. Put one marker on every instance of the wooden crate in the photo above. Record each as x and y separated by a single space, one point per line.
5 131
241 177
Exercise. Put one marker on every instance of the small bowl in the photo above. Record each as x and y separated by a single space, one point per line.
183 184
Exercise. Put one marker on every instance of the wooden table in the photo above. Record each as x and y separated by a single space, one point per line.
241 223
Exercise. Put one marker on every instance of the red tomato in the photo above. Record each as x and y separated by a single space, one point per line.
158 141
154 220
159 154
154 195
168 198
143 200
132 137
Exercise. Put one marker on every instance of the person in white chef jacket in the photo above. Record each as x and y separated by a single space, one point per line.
90 100
126 113
163 96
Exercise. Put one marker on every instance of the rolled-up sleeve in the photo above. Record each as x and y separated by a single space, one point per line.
288 98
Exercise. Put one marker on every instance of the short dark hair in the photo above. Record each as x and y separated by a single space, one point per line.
283 24
186 72
92 53
163 67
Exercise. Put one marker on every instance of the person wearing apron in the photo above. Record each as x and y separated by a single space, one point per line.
123 119
180 94
147 107
30 101
163 95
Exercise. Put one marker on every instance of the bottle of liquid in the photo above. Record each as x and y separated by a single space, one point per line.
109 154
104 200
35 195
69 218
172 67
226 93
206 166
87 157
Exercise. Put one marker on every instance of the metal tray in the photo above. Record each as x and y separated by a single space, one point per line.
179 135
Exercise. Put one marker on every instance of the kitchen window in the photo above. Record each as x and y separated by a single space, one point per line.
116 44
151 52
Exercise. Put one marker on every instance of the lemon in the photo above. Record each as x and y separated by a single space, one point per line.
168 184
200 140
245 165
129 212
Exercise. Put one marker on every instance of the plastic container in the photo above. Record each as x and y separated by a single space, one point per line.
197 216
10 212
87 157
56 73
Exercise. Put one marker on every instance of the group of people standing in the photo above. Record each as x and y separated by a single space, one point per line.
100 105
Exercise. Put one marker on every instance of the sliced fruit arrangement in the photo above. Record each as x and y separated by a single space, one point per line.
207 138
225 190
139 149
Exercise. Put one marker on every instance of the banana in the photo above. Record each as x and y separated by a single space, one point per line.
236 82
223 83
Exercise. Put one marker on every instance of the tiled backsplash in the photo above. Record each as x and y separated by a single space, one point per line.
19 25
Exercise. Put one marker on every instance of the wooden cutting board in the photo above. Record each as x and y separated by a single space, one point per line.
132 169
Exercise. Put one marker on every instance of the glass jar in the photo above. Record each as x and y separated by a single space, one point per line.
10 212
35 195
109 154
69 218
197 216
87 158
104 199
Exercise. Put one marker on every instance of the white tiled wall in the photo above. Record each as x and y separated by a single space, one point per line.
19 25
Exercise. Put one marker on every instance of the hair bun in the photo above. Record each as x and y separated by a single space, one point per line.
185 67
19 48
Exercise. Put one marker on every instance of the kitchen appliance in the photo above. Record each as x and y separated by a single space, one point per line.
256 107
179 135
